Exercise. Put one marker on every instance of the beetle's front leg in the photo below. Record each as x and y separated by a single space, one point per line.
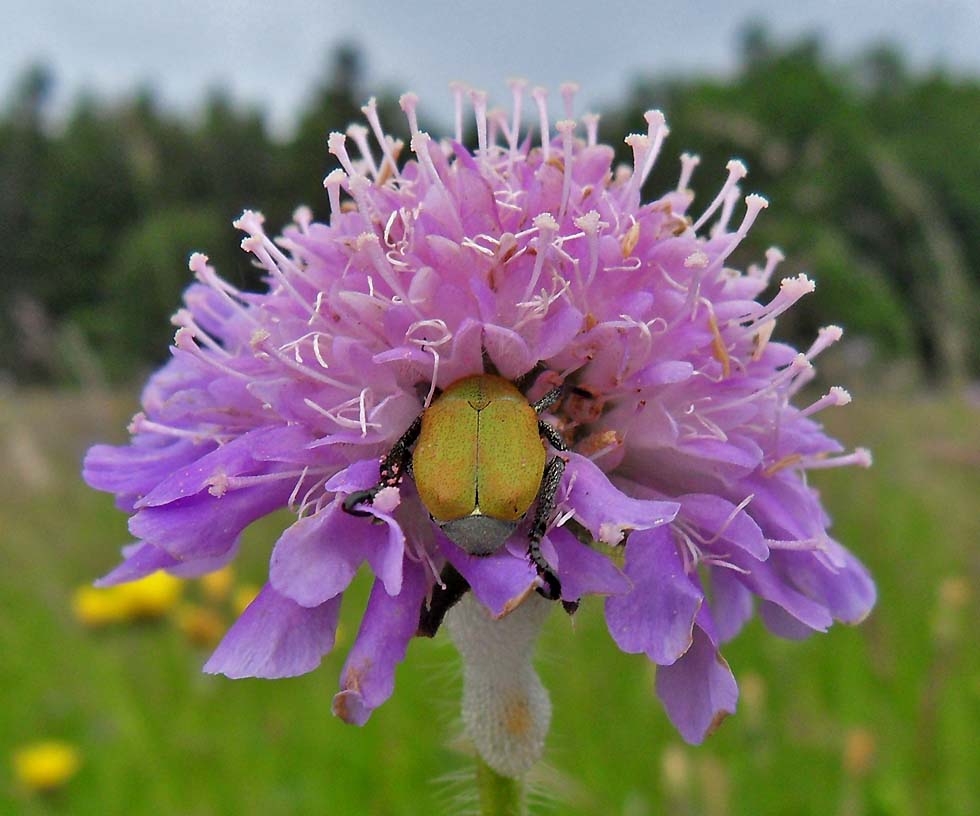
394 465
546 503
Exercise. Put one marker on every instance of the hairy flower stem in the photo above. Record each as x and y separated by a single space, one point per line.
506 710
499 795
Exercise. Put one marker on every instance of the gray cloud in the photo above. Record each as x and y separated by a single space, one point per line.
271 54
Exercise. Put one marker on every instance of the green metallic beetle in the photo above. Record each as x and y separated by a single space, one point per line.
479 463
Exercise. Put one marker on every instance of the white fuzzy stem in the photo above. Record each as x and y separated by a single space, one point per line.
506 709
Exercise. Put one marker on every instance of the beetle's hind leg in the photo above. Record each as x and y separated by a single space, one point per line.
394 465
546 503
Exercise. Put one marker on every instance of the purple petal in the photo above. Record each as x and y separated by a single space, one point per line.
848 591
583 571
731 603
555 332
388 625
714 517
206 526
662 373
358 476
781 623
317 557
698 691
139 561
785 507
231 459
764 581
276 637
499 581
387 555
132 471
288 443
508 351
604 510
142 559
657 616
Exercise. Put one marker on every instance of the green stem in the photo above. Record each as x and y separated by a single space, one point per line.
499 795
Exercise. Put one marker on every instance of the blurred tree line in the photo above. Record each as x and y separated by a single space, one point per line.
871 171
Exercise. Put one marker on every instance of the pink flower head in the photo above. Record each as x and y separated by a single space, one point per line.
533 257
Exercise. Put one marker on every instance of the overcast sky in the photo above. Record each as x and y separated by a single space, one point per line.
272 52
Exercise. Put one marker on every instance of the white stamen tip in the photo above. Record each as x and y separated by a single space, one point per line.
655 119
568 91
217 484
737 169
696 260
545 222
366 240
591 122
249 221
831 333
370 107
197 263
840 396
183 337
335 178
863 458
588 223
798 286
356 131
800 363
408 102
688 162
611 534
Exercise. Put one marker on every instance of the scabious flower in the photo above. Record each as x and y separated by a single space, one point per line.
537 259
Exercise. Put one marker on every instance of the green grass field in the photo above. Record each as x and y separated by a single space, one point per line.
883 719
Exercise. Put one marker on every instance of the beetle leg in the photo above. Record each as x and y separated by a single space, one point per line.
551 433
394 464
548 400
546 503
444 597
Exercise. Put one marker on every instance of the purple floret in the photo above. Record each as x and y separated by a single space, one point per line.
686 453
